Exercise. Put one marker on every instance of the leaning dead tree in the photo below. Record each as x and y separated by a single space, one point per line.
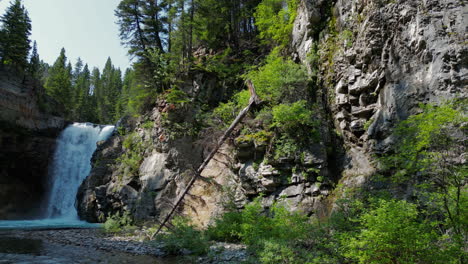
254 100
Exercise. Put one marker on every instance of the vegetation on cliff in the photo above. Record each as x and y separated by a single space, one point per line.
412 209
371 224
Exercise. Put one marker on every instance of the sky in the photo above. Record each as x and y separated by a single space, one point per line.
85 28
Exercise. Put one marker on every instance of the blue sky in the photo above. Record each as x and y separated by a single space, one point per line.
85 28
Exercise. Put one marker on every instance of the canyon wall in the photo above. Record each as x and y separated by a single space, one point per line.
373 62
27 140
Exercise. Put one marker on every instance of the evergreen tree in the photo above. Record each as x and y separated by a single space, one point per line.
43 73
84 106
58 84
96 92
109 91
76 90
122 102
16 29
154 22
34 62
130 20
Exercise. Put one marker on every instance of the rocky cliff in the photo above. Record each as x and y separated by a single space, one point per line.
378 61
27 140
373 61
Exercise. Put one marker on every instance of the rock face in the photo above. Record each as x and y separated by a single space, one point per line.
27 140
166 167
387 58
167 163
377 61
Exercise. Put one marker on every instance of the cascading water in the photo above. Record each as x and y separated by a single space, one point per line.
71 165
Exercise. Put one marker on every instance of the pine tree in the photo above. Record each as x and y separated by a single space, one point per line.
75 90
130 19
34 62
58 84
154 23
16 30
84 110
96 92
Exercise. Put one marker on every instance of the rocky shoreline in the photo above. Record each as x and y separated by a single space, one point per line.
91 238
95 242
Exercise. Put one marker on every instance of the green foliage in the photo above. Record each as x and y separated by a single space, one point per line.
279 80
182 236
286 147
275 20
291 117
418 136
253 226
313 59
59 85
226 228
15 31
225 112
426 155
116 222
392 233
260 138
107 93
148 124
176 96
347 36
133 155
34 62
282 251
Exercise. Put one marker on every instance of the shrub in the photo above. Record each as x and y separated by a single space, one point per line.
279 80
225 112
286 147
275 21
280 251
148 124
427 152
253 225
176 96
260 138
392 233
184 236
116 222
132 157
291 117
226 228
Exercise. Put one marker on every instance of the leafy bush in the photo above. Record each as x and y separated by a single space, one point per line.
225 112
148 124
184 236
132 157
275 20
291 117
116 222
280 251
392 233
226 228
176 96
427 151
259 138
420 138
279 80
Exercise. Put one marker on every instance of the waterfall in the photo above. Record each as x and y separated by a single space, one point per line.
71 165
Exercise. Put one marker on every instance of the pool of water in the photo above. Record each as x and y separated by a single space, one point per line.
55 223
33 251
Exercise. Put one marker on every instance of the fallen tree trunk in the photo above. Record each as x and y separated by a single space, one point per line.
254 100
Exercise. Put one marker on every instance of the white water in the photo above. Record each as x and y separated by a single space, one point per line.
70 167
